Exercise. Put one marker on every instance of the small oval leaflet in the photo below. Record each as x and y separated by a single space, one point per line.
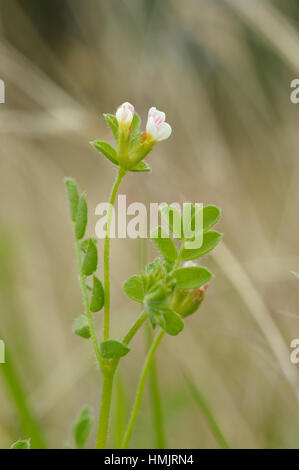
107 150
84 244
81 327
165 244
73 197
90 262
134 288
172 217
191 277
81 218
173 322
210 241
211 215
113 349
98 296
22 444
82 427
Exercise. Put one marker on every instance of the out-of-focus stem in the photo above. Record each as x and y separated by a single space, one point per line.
140 389
29 423
155 398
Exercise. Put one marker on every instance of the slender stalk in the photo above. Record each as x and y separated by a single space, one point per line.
155 398
120 175
105 410
135 327
108 368
140 388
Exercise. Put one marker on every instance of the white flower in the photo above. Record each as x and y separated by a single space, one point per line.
125 113
156 125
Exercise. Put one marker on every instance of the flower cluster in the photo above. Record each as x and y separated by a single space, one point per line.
132 145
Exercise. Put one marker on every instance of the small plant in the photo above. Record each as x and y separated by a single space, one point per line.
169 289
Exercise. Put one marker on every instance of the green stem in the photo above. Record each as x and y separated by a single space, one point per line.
86 305
120 175
108 374
105 410
130 334
108 368
155 397
140 388
119 411
29 423
135 327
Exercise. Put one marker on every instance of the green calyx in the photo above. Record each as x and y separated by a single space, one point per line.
132 146
187 301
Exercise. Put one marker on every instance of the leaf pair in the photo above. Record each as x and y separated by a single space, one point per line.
110 153
78 208
89 266
171 215
81 324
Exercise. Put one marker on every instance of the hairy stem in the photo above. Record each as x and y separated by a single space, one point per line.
120 175
108 369
140 388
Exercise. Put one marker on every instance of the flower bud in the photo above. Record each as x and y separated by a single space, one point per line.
124 116
187 301
158 294
125 113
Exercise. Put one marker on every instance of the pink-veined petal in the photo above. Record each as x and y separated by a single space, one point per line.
164 131
125 113
151 128
152 111
128 116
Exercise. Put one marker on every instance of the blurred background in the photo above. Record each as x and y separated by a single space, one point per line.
221 70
